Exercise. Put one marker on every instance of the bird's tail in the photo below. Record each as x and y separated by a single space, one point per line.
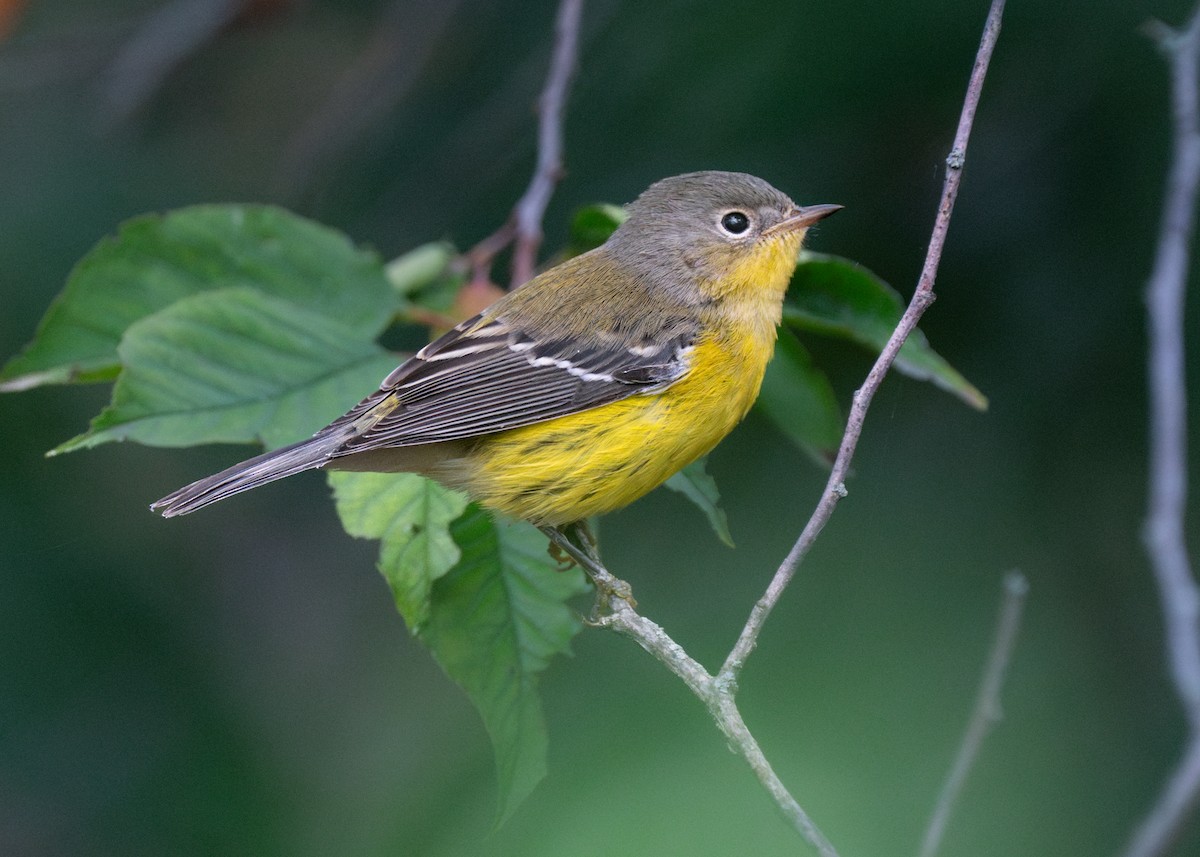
251 473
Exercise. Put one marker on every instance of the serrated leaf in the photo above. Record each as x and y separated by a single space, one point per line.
695 483
155 260
799 400
839 297
411 517
235 365
496 619
592 225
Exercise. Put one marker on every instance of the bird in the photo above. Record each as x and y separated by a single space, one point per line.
591 384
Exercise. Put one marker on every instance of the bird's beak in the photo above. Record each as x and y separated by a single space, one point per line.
802 218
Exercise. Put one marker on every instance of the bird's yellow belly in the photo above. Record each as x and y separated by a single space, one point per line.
573 467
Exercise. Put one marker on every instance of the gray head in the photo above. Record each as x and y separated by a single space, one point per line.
686 198
697 225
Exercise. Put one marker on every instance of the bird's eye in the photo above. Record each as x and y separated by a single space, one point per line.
735 222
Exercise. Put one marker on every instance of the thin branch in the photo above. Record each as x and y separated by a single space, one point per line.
524 226
1165 292
987 711
551 107
481 255
835 488
167 38
80 53
1167 502
380 78
1160 828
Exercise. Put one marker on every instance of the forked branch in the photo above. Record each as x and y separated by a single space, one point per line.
524 226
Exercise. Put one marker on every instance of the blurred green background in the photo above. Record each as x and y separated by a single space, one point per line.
239 682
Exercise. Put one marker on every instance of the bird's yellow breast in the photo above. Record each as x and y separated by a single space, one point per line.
589 463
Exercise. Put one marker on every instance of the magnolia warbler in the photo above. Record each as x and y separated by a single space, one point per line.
591 384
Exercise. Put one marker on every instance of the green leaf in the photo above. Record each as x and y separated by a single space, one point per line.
234 366
411 516
156 260
836 296
799 400
420 267
427 277
592 225
695 483
496 619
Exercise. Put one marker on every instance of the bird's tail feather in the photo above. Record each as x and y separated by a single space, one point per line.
251 473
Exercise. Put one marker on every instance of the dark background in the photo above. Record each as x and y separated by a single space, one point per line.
238 682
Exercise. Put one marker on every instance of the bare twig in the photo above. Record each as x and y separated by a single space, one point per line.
481 255
1164 527
168 37
835 488
80 53
1175 803
524 226
532 206
379 79
987 708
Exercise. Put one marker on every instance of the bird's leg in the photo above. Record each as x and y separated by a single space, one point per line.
584 539
582 535
562 559
582 549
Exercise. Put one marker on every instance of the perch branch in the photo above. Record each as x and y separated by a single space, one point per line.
616 612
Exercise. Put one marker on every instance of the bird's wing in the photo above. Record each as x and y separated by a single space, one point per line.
488 375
